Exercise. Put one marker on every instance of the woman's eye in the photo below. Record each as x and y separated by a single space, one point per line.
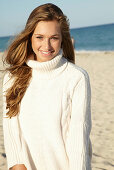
39 37
55 38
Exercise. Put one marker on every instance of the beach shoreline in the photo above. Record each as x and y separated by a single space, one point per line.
100 67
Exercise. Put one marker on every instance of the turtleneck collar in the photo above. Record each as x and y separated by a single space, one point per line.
49 68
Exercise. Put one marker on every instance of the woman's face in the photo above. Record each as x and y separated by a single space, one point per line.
46 40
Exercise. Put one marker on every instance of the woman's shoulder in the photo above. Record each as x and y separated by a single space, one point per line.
75 76
7 80
76 71
7 77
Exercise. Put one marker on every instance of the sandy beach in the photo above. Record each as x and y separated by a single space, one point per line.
100 67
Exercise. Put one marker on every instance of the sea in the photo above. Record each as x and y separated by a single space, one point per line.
92 38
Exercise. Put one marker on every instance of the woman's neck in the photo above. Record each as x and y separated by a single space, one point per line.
49 68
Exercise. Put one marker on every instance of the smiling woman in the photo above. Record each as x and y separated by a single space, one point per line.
46 104
46 40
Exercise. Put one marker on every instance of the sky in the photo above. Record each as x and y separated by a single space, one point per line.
81 13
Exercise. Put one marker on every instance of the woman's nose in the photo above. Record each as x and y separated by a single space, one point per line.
47 44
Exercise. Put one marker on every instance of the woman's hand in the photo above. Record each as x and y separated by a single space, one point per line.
18 167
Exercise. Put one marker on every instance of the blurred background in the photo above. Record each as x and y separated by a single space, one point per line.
91 21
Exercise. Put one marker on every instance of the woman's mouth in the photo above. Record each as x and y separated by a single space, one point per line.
47 53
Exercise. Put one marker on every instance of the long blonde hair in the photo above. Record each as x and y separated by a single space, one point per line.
20 49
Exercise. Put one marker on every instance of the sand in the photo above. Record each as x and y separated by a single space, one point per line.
100 66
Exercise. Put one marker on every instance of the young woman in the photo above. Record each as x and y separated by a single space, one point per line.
46 111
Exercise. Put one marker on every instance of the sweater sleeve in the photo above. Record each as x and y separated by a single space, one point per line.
78 144
12 141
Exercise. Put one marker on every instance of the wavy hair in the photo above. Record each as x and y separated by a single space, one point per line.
20 50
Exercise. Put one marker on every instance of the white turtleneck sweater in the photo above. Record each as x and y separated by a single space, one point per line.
51 131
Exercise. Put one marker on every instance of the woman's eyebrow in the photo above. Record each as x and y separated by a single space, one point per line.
56 35
37 34
50 35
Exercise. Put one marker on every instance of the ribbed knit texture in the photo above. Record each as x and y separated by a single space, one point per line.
52 130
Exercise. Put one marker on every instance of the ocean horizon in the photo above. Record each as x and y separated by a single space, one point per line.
91 38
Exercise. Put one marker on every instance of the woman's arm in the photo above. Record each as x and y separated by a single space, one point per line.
12 140
78 142
18 167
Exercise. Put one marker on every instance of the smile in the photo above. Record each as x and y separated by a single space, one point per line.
46 52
